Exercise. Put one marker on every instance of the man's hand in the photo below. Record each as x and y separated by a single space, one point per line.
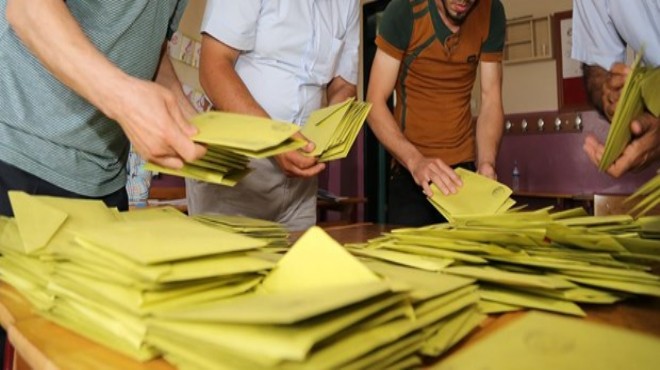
640 152
295 164
487 169
156 125
616 78
426 170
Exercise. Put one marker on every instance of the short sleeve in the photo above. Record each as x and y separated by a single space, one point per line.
494 45
395 28
347 66
233 22
595 40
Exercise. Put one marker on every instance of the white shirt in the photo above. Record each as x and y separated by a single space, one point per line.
290 50
603 28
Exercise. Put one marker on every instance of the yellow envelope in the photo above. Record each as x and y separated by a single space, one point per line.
479 195
629 106
524 299
501 277
37 222
333 129
241 131
316 261
542 341
157 241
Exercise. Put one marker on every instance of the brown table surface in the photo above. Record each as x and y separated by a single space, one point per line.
40 344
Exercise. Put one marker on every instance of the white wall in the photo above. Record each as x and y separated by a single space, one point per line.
531 86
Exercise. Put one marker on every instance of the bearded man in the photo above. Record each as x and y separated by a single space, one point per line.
429 52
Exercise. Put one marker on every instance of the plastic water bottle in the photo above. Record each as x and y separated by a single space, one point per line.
515 177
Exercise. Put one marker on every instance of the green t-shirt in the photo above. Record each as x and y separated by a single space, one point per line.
48 130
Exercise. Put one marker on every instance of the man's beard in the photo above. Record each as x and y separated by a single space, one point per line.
457 18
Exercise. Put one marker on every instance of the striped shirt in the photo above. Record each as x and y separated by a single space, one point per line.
48 130
438 71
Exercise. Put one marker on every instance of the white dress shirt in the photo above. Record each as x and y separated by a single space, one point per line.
290 49
603 28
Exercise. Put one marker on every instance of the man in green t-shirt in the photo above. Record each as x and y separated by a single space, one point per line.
76 86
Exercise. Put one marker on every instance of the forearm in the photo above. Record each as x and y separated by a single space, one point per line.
221 83
490 124
339 90
384 126
166 76
595 78
50 32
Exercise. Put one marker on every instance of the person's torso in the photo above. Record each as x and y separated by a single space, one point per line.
47 127
638 24
298 45
435 82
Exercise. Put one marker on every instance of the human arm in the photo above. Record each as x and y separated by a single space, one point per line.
339 90
604 87
643 150
228 93
491 117
147 112
384 72
166 77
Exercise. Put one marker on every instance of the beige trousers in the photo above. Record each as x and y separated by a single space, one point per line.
265 193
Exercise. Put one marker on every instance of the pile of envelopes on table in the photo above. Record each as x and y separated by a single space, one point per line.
528 259
321 308
106 272
273 233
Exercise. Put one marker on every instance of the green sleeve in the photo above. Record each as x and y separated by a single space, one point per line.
396 23
495 41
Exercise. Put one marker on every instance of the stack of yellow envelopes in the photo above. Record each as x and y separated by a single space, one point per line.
41 225
232 139
319 308
478 196
532 259
334 129
273 233
444 305
101 275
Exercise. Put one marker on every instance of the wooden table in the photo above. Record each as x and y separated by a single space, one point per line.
40 344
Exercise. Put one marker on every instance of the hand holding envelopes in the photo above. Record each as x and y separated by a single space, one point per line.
639 91
333 129
231 140
479 195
